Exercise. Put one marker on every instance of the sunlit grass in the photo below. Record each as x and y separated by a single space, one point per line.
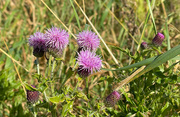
121 26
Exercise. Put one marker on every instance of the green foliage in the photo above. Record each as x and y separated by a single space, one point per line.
152 92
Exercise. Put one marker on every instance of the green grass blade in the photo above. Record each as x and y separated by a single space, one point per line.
76 15
147 18
105 13
150 10
157 61
167 36
160 60
144 62
139 64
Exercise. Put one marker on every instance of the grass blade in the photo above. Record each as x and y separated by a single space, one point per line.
158 61
150 10
76 15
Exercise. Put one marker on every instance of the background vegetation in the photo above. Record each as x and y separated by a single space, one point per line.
156 93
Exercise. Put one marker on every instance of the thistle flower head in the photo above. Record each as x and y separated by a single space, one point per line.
158 39
112 99
88 40
38 41
88 62
32 96
57 40
144 45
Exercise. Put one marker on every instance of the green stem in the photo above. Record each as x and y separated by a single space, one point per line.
157 50
52 79
52 69
49 66
87 87
34 110
38 70
75 89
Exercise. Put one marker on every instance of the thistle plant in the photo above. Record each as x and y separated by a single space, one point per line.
112 99
144 45
57 40
32 96
38 42
88 63
95 71
158 39
88 40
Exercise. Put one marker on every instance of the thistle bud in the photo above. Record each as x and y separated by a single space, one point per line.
112 99
158 39
83 73
37 41
32 96
144 45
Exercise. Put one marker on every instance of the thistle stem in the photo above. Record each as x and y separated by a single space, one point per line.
34 110
38 70
87 87
52 79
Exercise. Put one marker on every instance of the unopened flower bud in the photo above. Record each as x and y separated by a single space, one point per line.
32 96
112 99
144 45
158 39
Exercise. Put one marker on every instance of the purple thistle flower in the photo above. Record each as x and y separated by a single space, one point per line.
112 99
57 40
88 40
32 96
158 39
144 45
88 62
38 41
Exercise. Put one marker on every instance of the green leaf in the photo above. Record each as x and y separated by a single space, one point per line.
144 62
28 87
160 60
150 10
57 99
67 108
69 73
82 95
141 63
165 107
125 51
76 15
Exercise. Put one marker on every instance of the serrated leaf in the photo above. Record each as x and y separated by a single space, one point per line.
67 108
57 99
30 88
82 95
